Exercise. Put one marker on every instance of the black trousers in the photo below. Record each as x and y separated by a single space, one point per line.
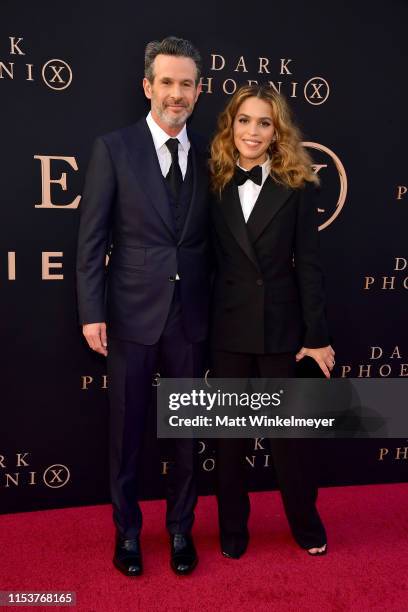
293 461
131 368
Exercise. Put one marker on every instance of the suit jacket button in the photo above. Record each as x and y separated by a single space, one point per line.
172 279
259 282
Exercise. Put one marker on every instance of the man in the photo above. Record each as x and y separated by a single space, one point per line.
145 196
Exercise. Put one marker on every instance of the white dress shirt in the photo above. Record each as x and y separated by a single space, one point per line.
163 154
249 191
160 137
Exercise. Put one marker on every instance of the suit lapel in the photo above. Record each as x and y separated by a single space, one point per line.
232 211
199 185
144 163
270 200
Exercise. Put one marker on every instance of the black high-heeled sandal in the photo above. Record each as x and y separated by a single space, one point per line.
319 553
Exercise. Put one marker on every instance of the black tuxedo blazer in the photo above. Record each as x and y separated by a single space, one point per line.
125 210
268 293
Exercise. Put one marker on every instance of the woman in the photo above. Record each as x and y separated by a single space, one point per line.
268 308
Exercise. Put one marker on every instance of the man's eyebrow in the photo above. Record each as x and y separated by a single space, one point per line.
185 80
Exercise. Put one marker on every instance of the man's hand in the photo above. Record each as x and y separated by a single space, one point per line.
95 334
324 357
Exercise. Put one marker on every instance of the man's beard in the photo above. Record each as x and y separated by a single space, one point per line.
170 120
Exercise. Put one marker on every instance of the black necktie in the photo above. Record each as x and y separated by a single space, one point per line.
255 175
174 176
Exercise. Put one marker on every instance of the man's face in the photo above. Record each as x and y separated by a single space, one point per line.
173 92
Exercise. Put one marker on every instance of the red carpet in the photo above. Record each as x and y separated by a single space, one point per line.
366 567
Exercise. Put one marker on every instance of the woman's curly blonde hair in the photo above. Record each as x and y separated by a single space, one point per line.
291 164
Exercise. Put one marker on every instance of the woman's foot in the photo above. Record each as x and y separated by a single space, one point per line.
234 545
317 551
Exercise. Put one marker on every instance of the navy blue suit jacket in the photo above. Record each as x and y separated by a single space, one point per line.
125 211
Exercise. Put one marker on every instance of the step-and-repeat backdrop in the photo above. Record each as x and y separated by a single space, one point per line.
70 72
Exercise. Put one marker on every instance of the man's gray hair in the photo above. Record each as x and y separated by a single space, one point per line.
171 45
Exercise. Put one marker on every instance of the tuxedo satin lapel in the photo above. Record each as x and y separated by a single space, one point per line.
270 200
232 211
144 163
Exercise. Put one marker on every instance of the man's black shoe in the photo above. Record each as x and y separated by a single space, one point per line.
128 556
183 554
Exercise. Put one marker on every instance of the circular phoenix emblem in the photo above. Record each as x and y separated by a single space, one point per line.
330 212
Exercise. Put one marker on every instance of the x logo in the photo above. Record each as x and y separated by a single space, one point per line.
52 77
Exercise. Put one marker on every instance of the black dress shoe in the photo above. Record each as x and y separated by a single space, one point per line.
183 554
234 546
128 556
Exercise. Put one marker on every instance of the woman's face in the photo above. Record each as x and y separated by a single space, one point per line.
253 131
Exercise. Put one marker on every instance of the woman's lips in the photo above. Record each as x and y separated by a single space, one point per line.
251 143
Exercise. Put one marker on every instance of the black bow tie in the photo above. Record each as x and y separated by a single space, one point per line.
255 175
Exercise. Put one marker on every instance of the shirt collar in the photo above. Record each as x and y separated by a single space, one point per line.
160 137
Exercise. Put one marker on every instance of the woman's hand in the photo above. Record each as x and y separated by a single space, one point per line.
324 357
